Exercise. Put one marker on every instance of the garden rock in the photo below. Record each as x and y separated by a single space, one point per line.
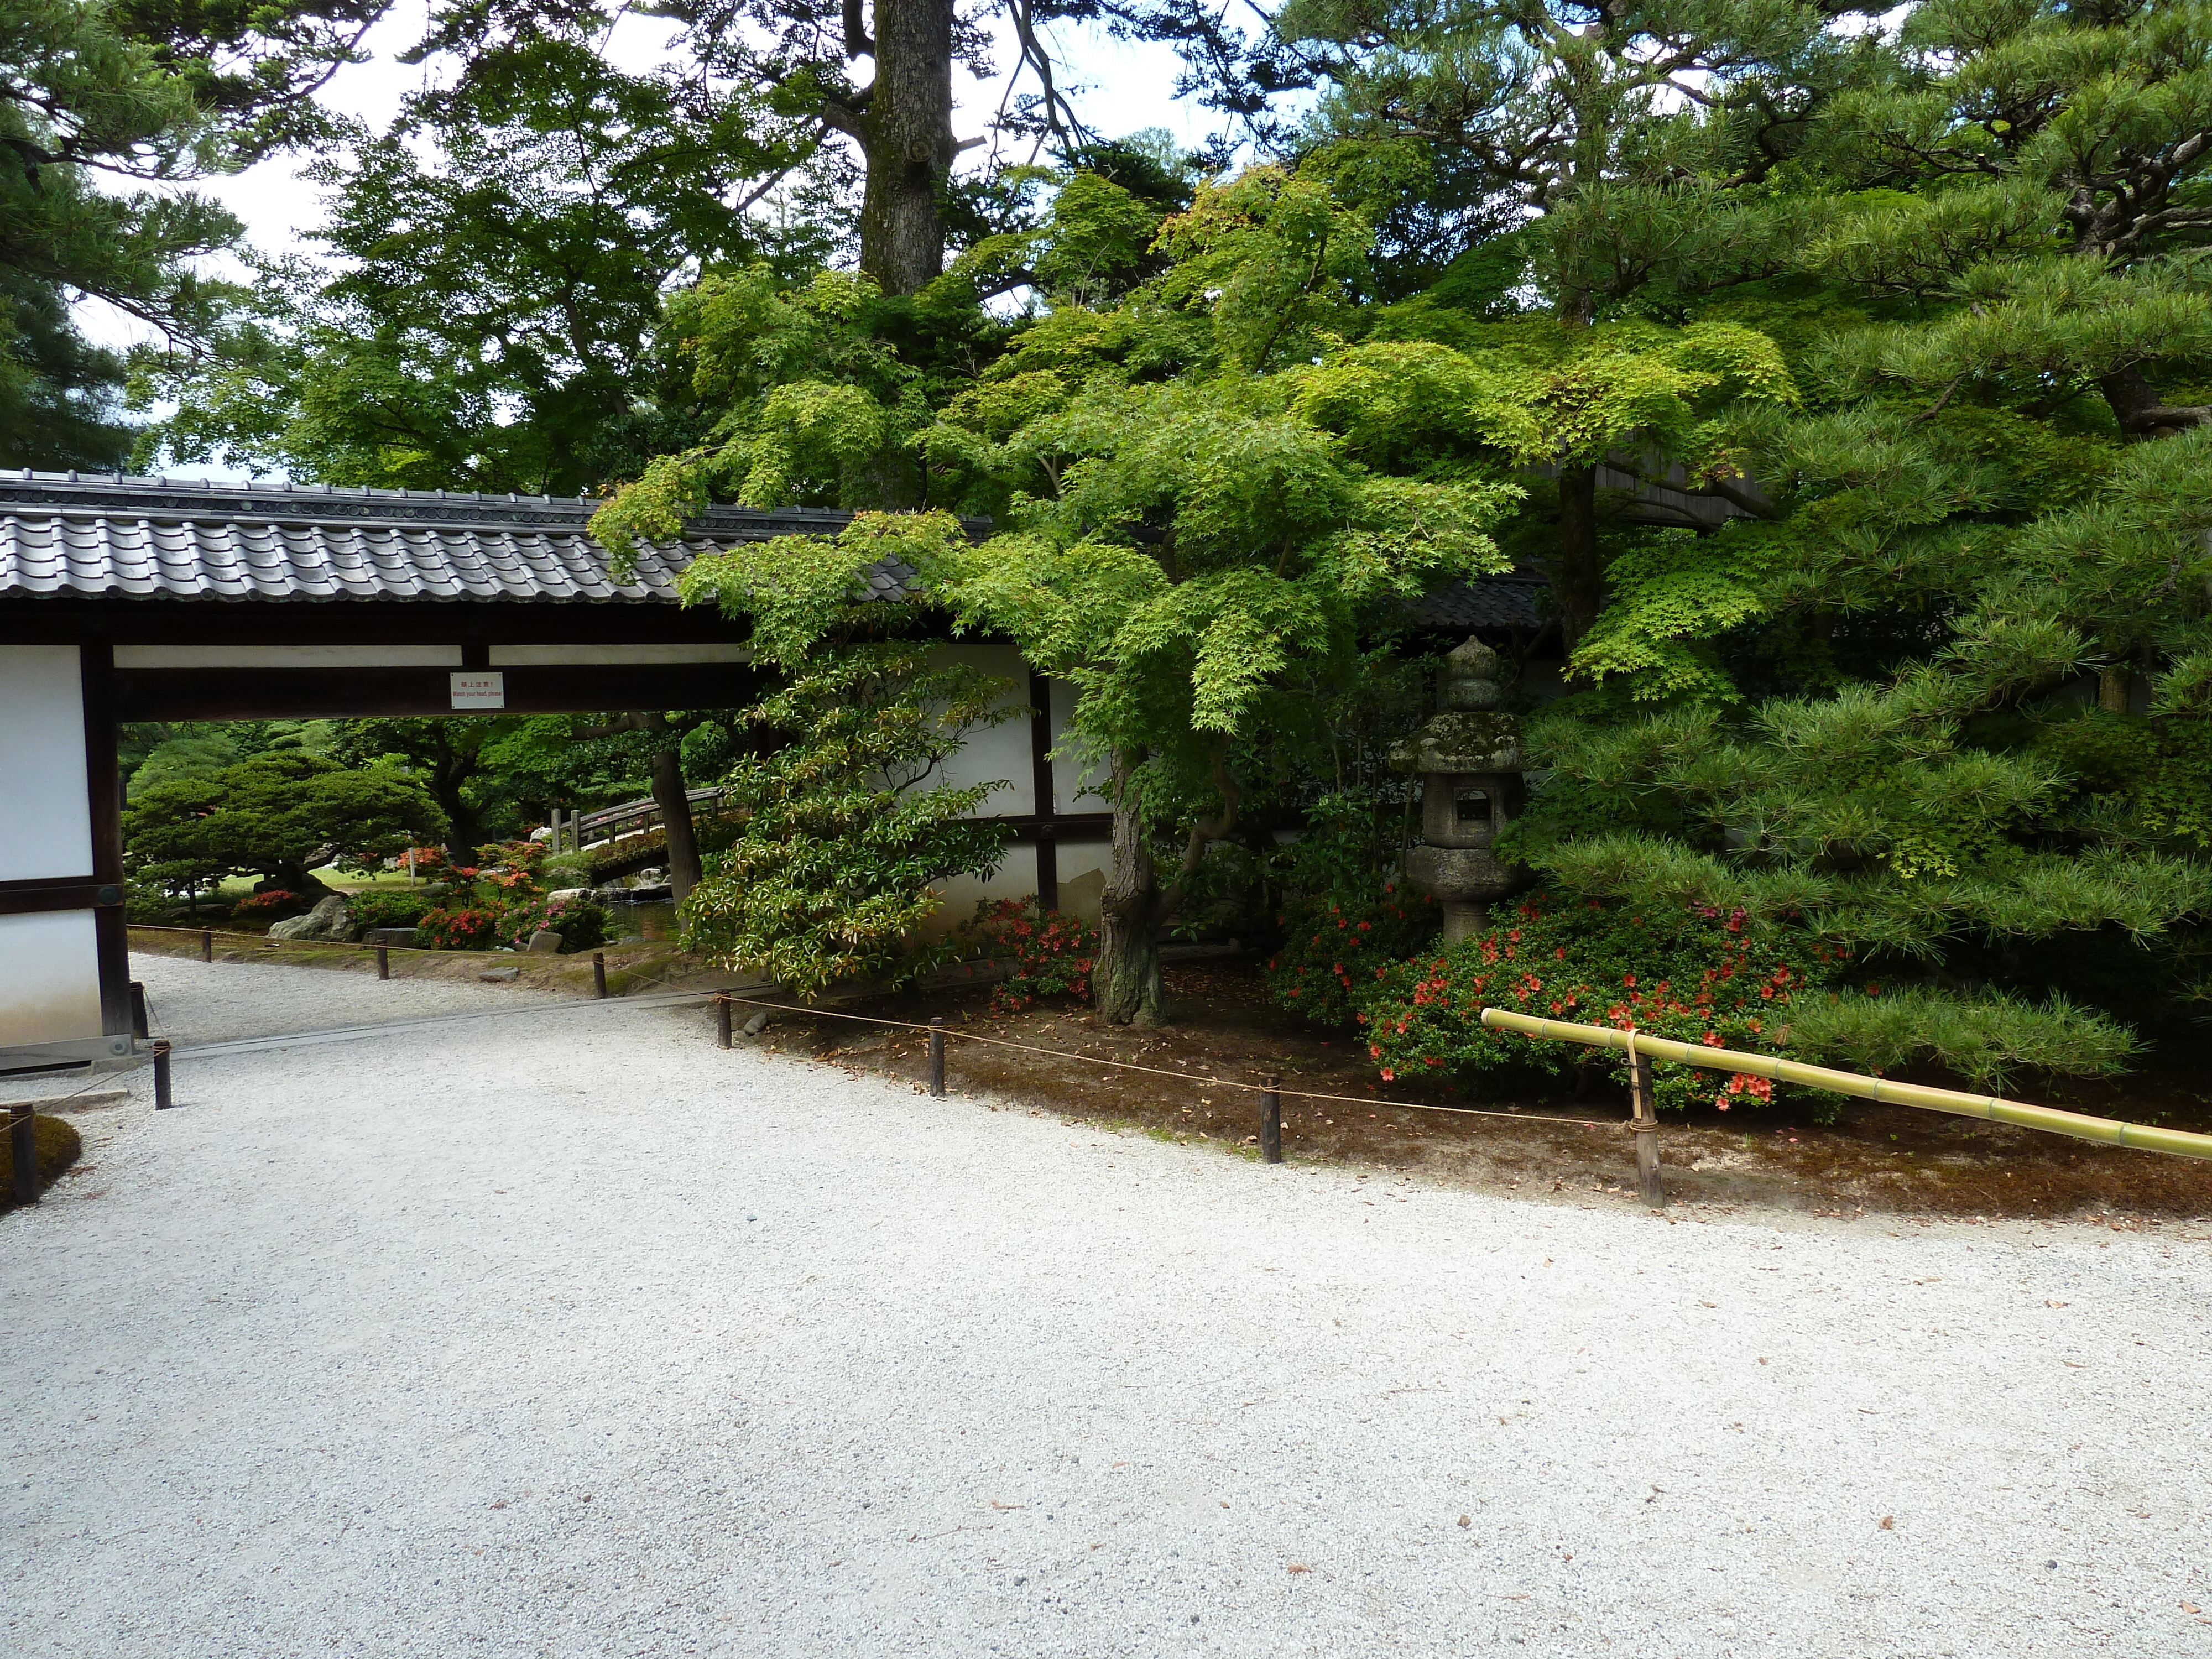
567 894
543 942
500 975
331 919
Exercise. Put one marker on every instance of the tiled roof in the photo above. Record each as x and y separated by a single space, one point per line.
121 538
1509 601
148 538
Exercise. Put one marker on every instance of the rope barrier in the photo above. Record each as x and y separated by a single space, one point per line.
1371 1101
1155 1071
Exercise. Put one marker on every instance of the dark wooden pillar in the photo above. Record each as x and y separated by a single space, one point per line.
104 789
1047 855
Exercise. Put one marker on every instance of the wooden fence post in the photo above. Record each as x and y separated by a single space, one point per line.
1645 1122
722 1020
1271 1119
207 945
383 963
23 1152
937 1056
163 1099
598 973
138 1027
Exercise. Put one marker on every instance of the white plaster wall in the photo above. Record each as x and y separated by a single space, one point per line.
1016 878
49 976
1076 787
995 752
45 818
1083 865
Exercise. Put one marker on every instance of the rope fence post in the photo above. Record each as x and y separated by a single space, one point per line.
138 1026
1643 1122
722 1020
207 945
23 1152
163 1098
383 963
1271 1119
937 1056
598 973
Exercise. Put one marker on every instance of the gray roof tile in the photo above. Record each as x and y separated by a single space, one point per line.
63 535
150 538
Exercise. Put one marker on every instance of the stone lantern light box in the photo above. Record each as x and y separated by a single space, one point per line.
1469 759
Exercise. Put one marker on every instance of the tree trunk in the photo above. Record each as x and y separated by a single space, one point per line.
2139 409
446 777
2115 689
668 795
910 144
1579 584
1126 981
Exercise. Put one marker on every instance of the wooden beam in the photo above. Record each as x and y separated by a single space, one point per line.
242 693
104 791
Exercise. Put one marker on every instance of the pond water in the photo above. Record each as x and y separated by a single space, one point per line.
635 923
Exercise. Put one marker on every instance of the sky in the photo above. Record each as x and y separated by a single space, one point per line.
1118 87
1122 87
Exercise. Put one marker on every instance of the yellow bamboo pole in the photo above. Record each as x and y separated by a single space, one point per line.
2182 1143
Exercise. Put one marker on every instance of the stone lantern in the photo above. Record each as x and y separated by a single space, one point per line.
1468 757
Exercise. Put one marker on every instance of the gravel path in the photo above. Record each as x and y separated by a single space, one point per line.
516 1338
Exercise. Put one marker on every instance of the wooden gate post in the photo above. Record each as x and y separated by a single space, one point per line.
138 1028
1643 1122
721 1019
163 1097
1271 1119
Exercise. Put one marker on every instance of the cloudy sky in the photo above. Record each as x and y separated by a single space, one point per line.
1123 88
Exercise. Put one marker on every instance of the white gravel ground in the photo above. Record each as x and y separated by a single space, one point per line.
520 1338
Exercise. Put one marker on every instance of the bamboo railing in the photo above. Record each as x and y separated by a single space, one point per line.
1641 1045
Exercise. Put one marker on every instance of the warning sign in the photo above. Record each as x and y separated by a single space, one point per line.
479 691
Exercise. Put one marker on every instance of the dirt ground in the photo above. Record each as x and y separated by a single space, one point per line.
1880 1159
1873 1158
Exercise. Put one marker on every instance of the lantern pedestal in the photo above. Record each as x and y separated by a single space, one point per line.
1468 758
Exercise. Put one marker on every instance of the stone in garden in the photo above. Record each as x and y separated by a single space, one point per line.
331 919
500 975
543 942
567 894
649 877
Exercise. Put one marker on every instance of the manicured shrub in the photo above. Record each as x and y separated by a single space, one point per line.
465 927
1046 953
582 923
1332 947
275 905
56 1141
385 907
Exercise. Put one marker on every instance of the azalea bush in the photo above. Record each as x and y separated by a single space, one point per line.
464 927
1691 973
1333 948
1048 953
1694 973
